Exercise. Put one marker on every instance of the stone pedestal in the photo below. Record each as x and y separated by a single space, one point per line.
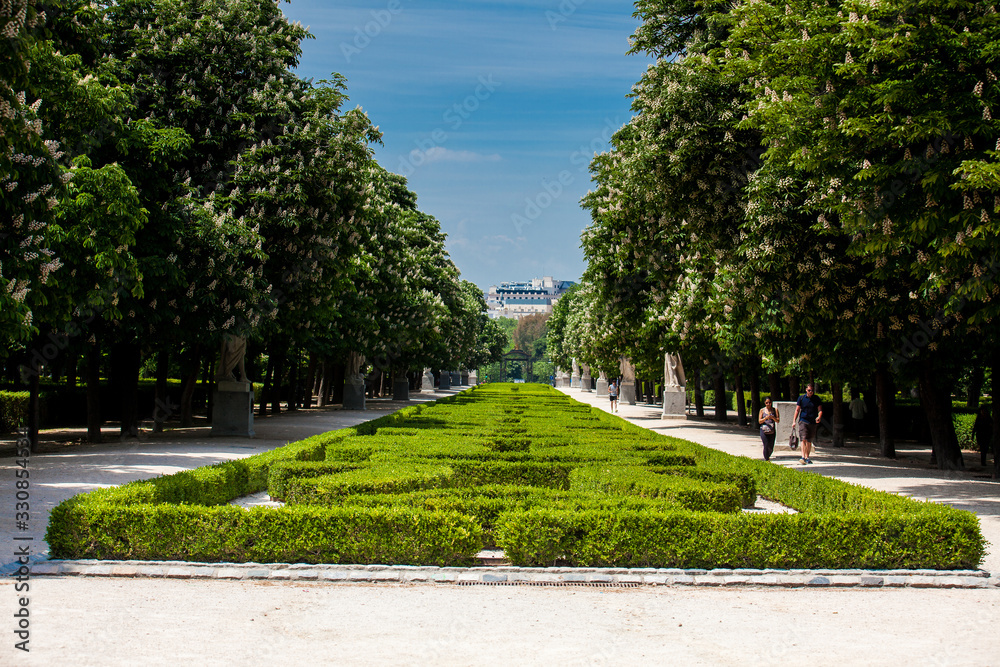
626 393
400 389
473 378
465 378
674 403
786 410
456 379
602 384
427 382
445 380
354 396
574 379
586 382
232 409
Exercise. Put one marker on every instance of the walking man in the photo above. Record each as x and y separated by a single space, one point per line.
808 415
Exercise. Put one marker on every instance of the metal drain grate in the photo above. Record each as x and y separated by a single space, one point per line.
561 584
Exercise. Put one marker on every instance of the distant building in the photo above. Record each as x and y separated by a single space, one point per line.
517 300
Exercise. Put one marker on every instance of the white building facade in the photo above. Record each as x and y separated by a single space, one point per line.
517 300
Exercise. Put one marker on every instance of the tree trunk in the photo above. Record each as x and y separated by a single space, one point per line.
699 397
794 390
935 401
93 380
741 406
208 384
838 414
719 380
884 398
975 386
162 410
309 388
265 392
189 371
293 381
755 403
995 372
34 413
126 359
279 375
337 383
325 375
774 382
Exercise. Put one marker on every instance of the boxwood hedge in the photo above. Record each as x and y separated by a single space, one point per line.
523 468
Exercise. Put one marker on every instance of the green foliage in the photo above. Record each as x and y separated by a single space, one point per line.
964 432
13 409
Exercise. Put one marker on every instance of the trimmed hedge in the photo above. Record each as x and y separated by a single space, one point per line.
522 468
13 410
544 537
233 534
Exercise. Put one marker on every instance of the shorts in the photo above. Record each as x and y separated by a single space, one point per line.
613 397
807 431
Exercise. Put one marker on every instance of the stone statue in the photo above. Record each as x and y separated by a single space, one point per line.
627 370
234 350
352 372
673 371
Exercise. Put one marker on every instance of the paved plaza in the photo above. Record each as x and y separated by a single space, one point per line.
379 620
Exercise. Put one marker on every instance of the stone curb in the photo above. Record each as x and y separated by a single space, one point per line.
514 576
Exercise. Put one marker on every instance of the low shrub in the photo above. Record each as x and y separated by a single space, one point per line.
13 410
362 535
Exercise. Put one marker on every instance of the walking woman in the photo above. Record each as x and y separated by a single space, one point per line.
768 419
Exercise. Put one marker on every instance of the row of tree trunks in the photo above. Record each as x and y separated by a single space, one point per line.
839 437
741 405
935 401
162 409
719 384
93 380
995 370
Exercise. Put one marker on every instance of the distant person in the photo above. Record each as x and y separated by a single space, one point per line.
983 429
808 415
613 395
768 419
858 411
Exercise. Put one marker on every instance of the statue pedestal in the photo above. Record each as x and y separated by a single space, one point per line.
473 378
627 393
456 379
427 383
445 380
354 396
232 409
674 403
400 389
602 386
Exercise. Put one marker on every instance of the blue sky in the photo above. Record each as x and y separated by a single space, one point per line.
492 110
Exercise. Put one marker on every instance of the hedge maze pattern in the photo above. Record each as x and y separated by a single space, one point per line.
522 468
